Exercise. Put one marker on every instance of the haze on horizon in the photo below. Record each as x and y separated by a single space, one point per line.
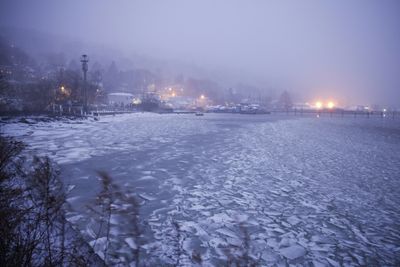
343 50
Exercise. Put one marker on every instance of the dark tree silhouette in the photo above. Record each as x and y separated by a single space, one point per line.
285 101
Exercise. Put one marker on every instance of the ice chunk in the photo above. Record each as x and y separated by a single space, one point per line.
131 243
293 252
319 264
147 197
217 242
293 220
269 256
220 218
146 177
227 232
234 241
333 263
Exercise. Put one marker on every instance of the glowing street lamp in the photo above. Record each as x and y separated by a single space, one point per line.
318 104
331 105
202 97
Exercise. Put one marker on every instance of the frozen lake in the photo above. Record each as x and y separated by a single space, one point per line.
312 191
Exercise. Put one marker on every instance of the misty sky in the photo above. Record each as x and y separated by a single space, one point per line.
345 49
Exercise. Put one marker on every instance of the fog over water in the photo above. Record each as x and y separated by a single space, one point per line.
200 133
345 50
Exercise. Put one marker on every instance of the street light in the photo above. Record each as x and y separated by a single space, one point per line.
84 60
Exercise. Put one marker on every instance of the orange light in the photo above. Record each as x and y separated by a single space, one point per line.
318 104
331 105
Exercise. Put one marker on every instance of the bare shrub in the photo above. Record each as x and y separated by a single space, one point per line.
33 228
240 256
110 202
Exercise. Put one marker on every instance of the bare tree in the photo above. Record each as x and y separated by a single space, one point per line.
285 101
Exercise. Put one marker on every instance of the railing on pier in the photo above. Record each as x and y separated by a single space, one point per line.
69 110
390 114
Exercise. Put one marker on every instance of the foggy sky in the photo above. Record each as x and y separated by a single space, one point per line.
346 49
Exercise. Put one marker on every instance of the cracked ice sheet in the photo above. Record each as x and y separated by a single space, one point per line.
310 191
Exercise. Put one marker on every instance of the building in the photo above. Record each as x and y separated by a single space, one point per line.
120 99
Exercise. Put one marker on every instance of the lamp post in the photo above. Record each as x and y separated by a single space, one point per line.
84 60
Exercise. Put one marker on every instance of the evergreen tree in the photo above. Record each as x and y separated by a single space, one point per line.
285 100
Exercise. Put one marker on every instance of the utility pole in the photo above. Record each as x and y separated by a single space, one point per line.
85 60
